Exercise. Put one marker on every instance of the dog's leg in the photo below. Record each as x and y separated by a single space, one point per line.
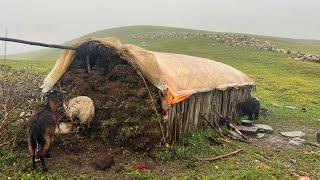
43 163
31 147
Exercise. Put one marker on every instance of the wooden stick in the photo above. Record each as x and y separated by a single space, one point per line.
88 64
4 143
230 135
225 141
215 128
233 127
36 43
238 132
221 156
313 144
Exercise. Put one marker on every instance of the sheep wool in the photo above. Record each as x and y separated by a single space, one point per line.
81 107
64 128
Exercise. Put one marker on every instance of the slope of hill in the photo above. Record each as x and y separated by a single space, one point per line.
123 33
128 34
287 88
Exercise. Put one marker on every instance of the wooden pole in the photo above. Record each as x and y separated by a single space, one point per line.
222 156
36 43
217 129
5 49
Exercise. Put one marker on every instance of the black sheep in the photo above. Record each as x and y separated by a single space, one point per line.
41 130
250 107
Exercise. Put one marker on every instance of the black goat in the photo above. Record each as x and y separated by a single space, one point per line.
250 107
41 129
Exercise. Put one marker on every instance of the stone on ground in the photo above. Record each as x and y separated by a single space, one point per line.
275 105
296 141
247 129
246 122
260 135
293 134
264 128
290 107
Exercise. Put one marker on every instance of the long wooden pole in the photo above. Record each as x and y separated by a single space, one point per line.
222 156
5 49
36 43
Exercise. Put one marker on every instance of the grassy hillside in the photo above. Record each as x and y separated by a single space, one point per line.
279 80
125 34
122 33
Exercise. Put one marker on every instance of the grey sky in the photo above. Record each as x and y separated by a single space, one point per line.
57 21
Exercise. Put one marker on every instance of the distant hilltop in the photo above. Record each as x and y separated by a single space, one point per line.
140 35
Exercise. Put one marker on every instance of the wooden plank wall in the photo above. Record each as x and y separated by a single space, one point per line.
184 117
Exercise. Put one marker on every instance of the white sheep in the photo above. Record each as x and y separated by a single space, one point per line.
64 128
81 107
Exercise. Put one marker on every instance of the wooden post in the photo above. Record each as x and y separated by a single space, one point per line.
36 43
5 49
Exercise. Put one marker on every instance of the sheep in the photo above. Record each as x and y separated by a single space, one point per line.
41 129
80 107
64 128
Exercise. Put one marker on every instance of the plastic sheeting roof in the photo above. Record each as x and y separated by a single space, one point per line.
181 75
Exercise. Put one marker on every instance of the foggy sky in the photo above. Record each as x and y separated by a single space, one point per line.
57 21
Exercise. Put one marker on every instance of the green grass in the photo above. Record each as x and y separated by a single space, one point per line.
279 80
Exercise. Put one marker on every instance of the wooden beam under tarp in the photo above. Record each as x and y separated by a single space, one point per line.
36 43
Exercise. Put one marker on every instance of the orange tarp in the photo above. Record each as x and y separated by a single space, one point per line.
180 75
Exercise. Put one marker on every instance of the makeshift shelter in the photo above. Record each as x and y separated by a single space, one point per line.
190 86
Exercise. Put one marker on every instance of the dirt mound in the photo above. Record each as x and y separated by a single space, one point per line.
125 113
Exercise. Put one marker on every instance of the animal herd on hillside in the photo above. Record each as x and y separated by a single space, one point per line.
232 39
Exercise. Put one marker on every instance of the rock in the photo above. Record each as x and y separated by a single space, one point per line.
264 128
275 105
247 129
293 134
290 107
296 141
260 135
246 122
